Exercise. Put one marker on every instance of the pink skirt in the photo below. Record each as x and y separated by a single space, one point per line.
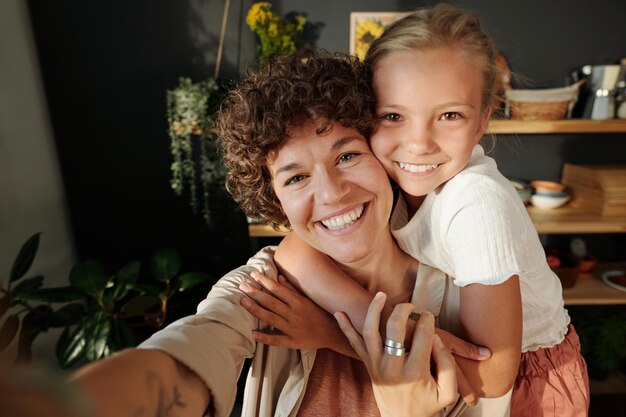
552 382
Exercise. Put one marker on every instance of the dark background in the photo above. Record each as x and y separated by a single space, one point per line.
107 65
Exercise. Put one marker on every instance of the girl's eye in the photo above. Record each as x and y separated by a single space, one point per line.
294 180
452 115
392 117
348 156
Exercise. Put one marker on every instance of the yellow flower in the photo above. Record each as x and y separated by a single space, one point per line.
276 34
366 32
258 15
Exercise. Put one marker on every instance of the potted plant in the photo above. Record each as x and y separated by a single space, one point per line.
602 333
100 312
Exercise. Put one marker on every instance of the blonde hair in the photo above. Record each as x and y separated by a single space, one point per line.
441 26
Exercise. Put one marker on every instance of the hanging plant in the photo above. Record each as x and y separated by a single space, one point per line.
190 110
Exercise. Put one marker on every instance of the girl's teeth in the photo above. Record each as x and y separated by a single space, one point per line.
344 220
417 168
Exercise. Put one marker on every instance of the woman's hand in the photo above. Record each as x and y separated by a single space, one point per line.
301 323
403 385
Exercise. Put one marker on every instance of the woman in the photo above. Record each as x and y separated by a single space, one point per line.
293 139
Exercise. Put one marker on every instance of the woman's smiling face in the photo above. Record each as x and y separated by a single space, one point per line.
334 192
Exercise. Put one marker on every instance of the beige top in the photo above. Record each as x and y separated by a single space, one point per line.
215 342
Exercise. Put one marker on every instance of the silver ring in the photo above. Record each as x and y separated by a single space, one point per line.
394 351
393 344
414 316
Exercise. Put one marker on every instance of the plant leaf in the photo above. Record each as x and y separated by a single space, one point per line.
121 336
68 315
52 295
89 276
98 331
28 285
165 264
147 289
5 302
125 278
25 257
9 330
140 304
191 279
72 349
33 323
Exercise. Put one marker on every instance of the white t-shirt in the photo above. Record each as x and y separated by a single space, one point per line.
476 229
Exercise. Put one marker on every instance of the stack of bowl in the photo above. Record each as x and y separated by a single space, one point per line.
548 194
523 189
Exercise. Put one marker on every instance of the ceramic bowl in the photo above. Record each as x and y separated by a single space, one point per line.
547 186
523 189
587 263
615 279
563 193
548 202
564 265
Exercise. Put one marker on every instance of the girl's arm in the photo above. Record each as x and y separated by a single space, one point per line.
491 315
320 279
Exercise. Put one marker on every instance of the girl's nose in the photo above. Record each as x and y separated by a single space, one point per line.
419 138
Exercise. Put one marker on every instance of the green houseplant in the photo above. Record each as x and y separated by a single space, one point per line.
602 334
98 311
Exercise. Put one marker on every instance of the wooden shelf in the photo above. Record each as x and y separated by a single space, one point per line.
564 220
264 230
590 290
569 219
522 127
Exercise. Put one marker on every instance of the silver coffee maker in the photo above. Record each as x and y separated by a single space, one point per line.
597 96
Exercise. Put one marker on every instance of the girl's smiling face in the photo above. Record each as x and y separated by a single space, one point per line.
430 117
333 190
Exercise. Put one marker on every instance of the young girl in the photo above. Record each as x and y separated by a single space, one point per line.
434 75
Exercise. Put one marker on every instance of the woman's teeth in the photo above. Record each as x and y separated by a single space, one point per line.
345 220
417 168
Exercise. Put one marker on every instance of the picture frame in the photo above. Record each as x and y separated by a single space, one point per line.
365 27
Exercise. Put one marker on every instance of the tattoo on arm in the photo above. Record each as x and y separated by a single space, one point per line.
168 401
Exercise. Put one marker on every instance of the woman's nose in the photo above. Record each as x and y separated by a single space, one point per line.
331 187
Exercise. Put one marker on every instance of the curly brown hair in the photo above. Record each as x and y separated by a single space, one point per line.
287 92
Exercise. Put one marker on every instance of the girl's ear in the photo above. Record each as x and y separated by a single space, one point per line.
484 121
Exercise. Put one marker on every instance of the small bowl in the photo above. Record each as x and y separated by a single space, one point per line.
563 193
525 195
523 189
564 265
547 186
615 279
548 202
587 263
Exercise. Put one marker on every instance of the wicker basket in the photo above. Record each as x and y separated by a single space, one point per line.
544 104
521 110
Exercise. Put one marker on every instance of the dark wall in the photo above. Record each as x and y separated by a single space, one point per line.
107 65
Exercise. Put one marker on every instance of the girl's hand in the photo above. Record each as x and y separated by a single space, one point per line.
403 385
300 323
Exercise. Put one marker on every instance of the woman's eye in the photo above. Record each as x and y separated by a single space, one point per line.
392 117
348 156
452 115
294 180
